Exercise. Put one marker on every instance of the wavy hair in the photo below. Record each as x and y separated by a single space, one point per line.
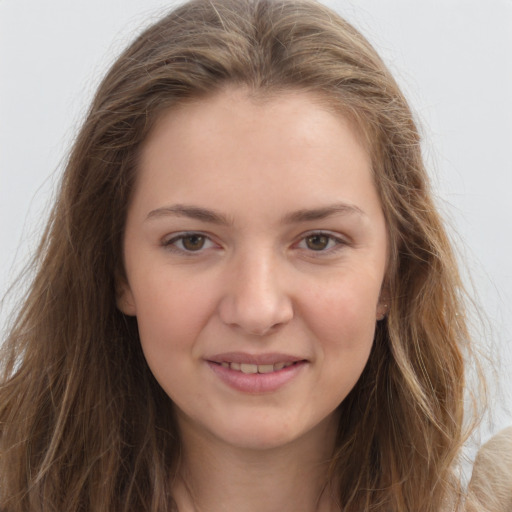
83 424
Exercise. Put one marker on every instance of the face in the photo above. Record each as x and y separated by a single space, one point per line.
255 251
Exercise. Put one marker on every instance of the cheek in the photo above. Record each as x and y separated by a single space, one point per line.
170 318
343 323
344 315
170 313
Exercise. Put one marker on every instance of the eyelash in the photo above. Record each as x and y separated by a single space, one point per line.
171 243
334 243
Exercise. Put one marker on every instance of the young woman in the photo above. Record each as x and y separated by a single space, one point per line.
245 298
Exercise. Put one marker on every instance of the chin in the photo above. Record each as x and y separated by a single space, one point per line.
274 433
260 439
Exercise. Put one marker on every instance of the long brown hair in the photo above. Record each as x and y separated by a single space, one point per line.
84 425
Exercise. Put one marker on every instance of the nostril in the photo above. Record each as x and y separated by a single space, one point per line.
255 297
255 317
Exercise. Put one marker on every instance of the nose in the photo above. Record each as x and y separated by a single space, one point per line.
256 298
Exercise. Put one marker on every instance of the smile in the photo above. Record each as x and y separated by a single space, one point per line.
256 368
256 374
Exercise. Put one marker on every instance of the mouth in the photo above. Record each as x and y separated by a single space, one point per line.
256 373
250 368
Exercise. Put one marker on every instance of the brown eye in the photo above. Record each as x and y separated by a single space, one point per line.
193 242
189 243
317 242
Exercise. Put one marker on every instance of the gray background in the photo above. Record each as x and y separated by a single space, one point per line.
453 59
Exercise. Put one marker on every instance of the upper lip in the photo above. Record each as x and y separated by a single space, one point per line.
244 358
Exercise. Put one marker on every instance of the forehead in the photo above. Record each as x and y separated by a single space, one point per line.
290 144
238 103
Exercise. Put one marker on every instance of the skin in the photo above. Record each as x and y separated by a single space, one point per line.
255 228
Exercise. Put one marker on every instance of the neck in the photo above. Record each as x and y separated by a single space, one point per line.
217 477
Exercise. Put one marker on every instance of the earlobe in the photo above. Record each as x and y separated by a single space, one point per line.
383 304
124 299
382 310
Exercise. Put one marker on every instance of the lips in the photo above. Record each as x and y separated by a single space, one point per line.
256 368
262 373
254 363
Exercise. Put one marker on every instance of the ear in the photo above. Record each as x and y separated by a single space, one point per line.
382 310
124 298
383 304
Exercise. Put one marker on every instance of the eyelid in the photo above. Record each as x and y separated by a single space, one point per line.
340 242
169 241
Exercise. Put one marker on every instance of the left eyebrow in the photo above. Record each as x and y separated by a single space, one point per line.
313 214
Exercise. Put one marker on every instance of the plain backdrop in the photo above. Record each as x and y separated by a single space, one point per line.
453 59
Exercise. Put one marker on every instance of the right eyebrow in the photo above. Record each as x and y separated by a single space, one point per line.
192 212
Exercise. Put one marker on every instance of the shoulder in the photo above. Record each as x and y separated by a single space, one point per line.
490 488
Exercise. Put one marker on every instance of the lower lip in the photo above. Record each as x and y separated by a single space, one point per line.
256 383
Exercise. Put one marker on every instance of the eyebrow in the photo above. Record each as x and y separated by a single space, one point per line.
312 214
214 217
192 212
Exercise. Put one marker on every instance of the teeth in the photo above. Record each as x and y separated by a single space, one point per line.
249 368
265 368
255 368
